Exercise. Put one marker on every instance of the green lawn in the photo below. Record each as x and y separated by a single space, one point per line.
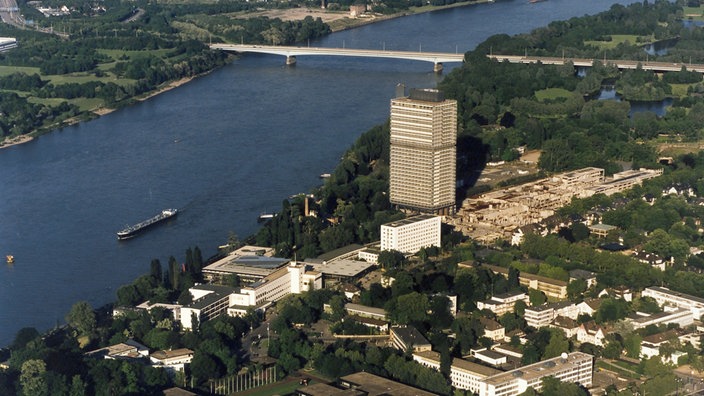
7 70
552 93
617 39
695 13
680 90
117 54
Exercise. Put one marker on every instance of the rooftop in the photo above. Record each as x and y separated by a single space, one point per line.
374 385
340 252
409 335
345 268
677 294
409 220
541 369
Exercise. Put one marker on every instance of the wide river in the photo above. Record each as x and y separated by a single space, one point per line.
222 149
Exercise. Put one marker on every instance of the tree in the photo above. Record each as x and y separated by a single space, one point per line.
204 366
82 318
32 378
576 288
536 297
390 259
557 345
337 305
411 307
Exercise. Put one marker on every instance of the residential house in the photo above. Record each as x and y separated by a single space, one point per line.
592 333
493 329
568 326
587 276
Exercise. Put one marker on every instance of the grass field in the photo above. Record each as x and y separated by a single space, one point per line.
680 90
552 93
616 39
694 13
616 369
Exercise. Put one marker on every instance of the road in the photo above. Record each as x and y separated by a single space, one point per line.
9 13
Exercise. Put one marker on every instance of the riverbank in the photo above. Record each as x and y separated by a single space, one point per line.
341 20
15 141
338 21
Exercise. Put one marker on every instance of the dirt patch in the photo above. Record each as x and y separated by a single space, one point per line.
296 14
15 141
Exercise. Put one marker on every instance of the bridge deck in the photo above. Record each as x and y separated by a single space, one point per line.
444 57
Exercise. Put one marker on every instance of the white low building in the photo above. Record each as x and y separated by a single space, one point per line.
502 303
172 361
412 234
210 301
463 374
667 297
680 316
574 367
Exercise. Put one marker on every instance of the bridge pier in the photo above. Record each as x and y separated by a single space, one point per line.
290 60
438 67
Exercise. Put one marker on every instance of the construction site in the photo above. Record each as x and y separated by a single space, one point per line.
497 214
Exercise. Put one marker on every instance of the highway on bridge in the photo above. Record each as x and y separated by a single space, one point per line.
438 58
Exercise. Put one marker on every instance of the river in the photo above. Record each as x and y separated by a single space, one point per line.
222 148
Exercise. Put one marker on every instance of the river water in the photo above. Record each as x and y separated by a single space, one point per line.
222 149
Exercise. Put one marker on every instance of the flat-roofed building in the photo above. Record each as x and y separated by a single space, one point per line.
553 288
130 349
423 152
489 356
249 263
574 367
210 301
374 385
667 297
365 311
463 374
7 43
173 360
543 315
502 303
680 316
344 270
412 234
601 230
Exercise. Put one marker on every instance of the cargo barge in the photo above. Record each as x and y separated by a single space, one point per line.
132 230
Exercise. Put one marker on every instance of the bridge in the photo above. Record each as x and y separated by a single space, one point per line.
657 67
437 58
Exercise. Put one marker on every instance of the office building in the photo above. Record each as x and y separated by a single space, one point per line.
411 234
423 152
